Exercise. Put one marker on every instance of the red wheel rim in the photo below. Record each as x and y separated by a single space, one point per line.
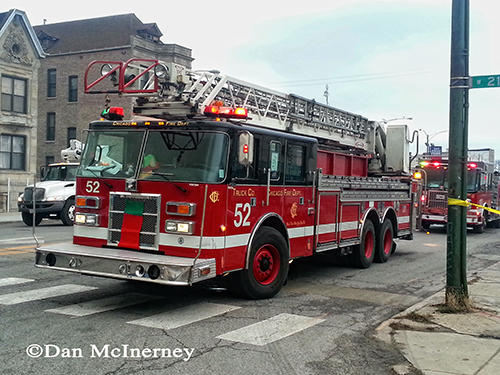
387 241
266 264
369 243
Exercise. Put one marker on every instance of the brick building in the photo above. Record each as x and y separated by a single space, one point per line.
64 111
20 57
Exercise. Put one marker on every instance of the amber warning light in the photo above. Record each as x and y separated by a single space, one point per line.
226 112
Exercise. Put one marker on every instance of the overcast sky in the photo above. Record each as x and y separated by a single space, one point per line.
381 59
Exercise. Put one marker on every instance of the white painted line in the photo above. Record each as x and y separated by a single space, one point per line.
14 281
21 240
270 330
104 304
38 294
184 316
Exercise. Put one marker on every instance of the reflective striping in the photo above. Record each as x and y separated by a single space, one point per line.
237 240
14 281
221 242
184 316
191 242
349 225
38 294
104 304
403 219
326 228
270 330
300 232
90 232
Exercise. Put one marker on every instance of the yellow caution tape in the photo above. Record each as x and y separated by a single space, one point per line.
460 202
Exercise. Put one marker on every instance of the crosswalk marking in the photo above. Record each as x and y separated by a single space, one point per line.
270 330
184 316
104 304
38 294
14 281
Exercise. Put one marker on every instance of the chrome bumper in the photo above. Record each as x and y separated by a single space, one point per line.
124 264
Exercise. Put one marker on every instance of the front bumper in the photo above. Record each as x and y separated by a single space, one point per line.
124 264
46 207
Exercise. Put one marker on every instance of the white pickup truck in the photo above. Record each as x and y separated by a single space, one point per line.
54 196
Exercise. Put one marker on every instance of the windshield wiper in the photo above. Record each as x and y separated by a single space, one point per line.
100 178
165 176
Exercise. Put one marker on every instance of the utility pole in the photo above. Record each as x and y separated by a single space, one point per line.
457 296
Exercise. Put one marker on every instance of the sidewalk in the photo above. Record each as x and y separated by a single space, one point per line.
438 343
10 217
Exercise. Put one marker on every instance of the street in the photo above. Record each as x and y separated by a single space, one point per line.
322 322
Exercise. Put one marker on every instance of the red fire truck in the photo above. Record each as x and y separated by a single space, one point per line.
215 176
482 190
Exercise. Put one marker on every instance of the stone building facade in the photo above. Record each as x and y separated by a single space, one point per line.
20 57
64 111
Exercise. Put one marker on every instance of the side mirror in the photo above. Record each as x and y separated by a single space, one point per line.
42 172
245 149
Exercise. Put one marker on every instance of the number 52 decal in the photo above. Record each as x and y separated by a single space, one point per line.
239 211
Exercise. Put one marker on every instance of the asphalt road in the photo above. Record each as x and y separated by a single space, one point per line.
322 322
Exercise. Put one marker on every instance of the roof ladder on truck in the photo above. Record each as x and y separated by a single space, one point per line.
172 92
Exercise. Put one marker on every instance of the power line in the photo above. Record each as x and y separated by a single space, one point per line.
344 79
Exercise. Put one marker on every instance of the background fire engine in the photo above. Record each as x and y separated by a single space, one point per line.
482 190
215 176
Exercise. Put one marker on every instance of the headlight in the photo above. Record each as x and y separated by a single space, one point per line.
87 219
179 227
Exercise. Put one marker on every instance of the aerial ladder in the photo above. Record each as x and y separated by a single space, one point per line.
172 92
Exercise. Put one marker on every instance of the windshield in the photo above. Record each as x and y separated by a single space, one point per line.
168 155
437 178
185 156
111 154
60 173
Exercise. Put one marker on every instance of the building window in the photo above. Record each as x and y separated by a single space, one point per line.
73 89
71 134
12 151
51 127
51 83
49 160
14 94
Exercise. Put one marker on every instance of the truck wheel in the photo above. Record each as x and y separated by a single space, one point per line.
385 242
68 212
268 267
478 228
365 252
28 219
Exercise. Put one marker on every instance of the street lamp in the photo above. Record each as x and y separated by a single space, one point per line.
429 137
397 118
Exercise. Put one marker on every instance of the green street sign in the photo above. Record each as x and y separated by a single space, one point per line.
480 82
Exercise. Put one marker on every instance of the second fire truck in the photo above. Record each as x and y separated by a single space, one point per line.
215 176
482 191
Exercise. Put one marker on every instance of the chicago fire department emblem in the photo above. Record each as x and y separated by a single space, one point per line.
214 197
293 210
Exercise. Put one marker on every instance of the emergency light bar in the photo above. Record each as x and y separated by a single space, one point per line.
113 113
225 112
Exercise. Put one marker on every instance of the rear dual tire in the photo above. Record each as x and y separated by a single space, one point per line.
374 247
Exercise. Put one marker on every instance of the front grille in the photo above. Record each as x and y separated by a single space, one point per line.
28 194
148 238
437 199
